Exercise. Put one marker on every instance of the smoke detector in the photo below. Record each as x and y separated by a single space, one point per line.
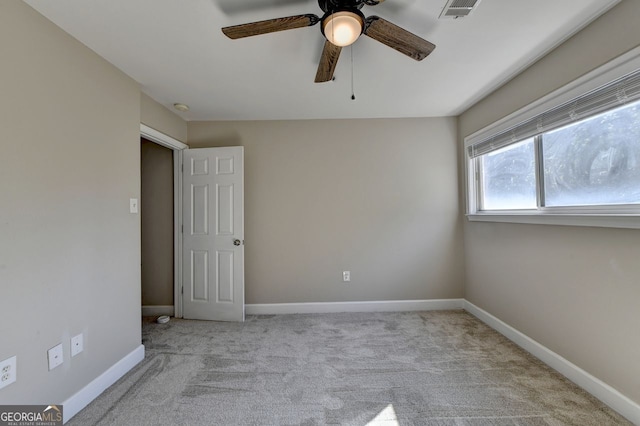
455 9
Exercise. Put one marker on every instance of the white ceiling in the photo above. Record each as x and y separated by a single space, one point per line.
176 51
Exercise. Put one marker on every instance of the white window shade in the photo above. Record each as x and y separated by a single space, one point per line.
619 92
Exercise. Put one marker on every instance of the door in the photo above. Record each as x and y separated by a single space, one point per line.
213 234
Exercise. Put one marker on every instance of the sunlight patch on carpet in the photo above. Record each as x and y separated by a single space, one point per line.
386 417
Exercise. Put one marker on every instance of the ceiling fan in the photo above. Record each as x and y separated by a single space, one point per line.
342 24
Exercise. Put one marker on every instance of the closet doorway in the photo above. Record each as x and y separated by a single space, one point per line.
157 219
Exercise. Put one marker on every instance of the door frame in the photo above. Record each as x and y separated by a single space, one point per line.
177 147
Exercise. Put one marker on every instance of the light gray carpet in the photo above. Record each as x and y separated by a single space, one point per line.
410 368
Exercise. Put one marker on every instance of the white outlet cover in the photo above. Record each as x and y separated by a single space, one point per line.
77 344
55 356
8 371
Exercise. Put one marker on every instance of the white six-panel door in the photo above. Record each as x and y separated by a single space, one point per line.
213 234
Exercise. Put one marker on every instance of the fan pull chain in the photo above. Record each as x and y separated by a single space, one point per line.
353 92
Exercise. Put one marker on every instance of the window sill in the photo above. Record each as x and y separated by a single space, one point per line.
630 221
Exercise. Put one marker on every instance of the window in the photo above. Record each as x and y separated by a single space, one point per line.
509 178
580 157
594 162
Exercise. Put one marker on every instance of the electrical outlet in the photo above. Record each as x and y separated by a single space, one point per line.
55 356
346 276
77 345
8 372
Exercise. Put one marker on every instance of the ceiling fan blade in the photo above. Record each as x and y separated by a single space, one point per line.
328 61
398 38
270 26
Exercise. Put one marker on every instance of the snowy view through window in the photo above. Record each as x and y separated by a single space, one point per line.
596 161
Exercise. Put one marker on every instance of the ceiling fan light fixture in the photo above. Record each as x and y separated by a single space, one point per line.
342 28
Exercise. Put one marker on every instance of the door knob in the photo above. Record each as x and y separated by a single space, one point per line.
236 242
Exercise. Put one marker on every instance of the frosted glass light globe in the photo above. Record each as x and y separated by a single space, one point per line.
342 28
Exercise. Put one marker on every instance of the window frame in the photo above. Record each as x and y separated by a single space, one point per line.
605 215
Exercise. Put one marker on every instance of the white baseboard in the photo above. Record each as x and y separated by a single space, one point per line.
157 310
84 396
593 385
332 307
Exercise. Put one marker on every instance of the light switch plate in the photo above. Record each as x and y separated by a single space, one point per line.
55 356
133 205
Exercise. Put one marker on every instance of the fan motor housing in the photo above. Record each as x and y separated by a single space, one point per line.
330 6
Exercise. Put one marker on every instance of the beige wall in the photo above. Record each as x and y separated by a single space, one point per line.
69 249
156 213
376 197
573 289
161 119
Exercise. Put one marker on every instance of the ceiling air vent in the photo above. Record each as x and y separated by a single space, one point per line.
455 9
